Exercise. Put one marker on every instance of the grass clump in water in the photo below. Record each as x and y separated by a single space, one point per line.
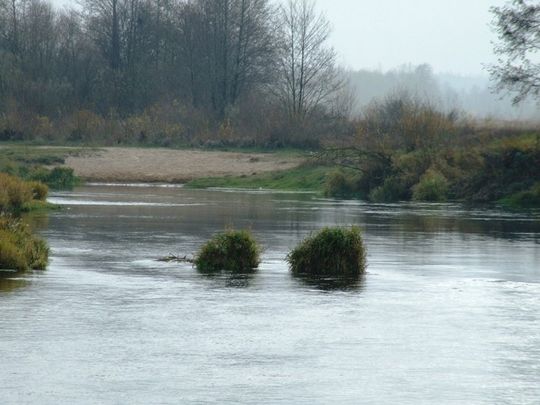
235 251
19 249
332 252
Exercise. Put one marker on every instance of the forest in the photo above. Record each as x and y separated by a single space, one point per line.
167 72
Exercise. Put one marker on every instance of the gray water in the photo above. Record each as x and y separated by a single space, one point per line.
448 313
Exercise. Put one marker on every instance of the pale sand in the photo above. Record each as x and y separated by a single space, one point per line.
172 166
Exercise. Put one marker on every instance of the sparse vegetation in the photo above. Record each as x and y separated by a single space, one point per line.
235 251
332 252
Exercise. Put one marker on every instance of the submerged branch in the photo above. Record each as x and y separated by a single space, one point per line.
176 259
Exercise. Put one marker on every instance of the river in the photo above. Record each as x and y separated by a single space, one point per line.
448 312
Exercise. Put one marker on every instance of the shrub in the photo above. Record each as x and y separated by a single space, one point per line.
40 191
59 178
332 252
19 249
337 184
11 257
14 193
235 251
393 189
433 186
525 199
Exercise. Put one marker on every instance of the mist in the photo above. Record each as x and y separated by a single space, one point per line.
472 95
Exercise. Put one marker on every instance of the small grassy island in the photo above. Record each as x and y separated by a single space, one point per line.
235 251
332 252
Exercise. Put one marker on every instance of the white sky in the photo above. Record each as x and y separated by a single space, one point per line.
453 36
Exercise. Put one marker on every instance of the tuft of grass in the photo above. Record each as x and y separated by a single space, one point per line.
19 249
303 178
235 251
332 252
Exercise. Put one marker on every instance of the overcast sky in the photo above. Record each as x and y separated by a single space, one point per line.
452 36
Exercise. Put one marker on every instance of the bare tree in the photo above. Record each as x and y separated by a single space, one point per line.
518 69
308 77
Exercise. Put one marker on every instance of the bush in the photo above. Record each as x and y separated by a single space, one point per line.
59 178
524 199
337 184
11 257
14 193
332 252
40 191
433 187
235 251
393 189
19 249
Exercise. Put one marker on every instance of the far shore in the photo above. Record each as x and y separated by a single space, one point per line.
173 166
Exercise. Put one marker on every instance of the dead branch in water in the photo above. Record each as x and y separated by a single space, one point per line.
176 259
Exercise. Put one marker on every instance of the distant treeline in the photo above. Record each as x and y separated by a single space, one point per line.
167 72
473 95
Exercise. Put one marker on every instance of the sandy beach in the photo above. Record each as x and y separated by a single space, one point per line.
172 166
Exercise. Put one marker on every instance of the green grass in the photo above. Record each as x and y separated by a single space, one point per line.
306 177
24 154
332 252
32 163
235 251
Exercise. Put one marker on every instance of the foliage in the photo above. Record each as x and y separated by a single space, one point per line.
59 178
28 163
524 199
40 191
15 194
165 73
19 249
332 252
235 251
404 149
338 184
517 70
433 187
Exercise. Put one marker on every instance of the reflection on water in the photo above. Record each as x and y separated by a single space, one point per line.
331 283
11 281
447 313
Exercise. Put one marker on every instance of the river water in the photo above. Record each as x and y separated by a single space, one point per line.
448 313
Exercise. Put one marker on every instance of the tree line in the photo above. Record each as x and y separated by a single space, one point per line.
197 66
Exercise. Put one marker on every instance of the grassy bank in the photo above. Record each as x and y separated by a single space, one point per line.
307 177
39 164
19 248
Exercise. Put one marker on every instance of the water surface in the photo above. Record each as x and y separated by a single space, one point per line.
448 313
